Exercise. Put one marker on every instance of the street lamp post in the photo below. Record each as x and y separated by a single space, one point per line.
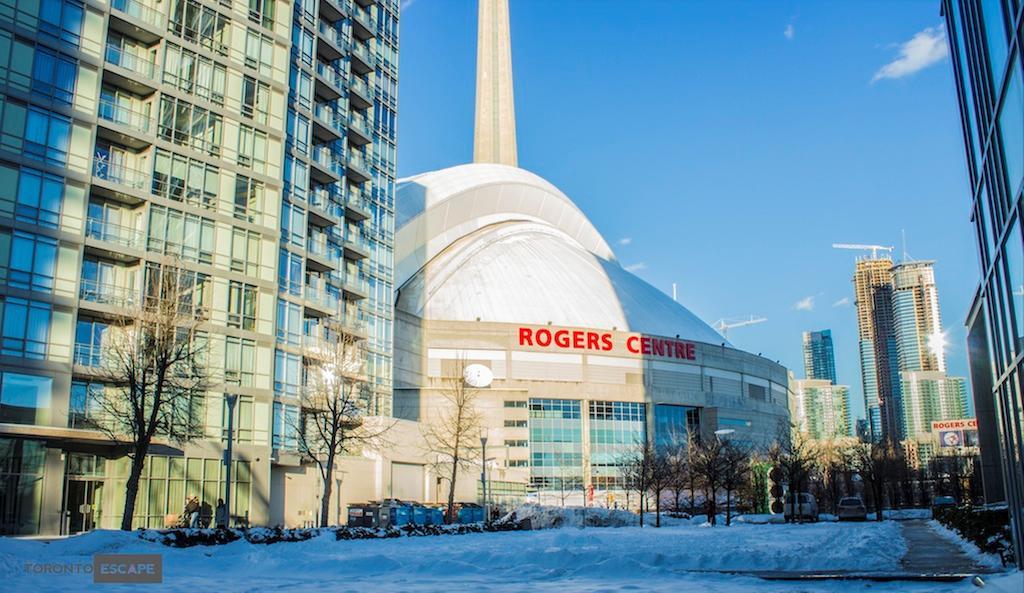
483 476
228 454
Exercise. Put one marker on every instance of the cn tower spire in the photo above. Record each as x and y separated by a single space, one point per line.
494 135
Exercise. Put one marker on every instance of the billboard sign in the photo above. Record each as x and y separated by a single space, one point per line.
956 433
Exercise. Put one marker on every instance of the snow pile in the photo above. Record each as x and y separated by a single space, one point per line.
967 547
903 514
551 517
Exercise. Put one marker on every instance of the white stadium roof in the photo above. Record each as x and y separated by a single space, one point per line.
501 244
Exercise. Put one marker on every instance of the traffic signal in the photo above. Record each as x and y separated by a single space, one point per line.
776 491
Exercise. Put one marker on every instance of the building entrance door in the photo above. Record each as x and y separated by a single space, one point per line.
82 505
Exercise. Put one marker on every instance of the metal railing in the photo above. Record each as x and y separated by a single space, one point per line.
112 233
130 61
326 158
362 51
360 123
140 11
332 34
356 161
120 174
125 116
88 355
329 201
107 293
322 297
358 85
335 118
330 74
362 15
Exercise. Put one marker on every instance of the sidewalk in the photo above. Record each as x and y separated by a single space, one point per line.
930 553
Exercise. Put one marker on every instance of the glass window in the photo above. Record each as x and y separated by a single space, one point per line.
33 262
53 76
47 136
286 423
239 361
287 373
290 273
21 477
245 252
995 37
39 198
1015 267
289 322
25 399
241 305
293 224
1011 128
26 328
85 407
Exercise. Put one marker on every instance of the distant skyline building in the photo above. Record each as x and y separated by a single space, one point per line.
872 286
820 409
990 91
920 344
819 356
930 396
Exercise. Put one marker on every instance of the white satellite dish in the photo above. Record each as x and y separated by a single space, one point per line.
477 375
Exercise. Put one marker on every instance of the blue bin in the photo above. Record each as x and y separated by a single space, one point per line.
419 515
435 517
399 514
471 514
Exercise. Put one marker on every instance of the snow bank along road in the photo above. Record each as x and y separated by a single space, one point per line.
557 560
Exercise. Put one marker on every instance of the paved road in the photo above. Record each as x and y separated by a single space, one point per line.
929 552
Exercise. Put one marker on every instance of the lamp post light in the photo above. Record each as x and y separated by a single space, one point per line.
483 476
228 455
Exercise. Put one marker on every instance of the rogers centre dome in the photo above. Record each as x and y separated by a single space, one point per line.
496 267
498 243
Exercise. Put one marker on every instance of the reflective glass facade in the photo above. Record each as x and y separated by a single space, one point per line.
819 355
616 429
556 444
673 423
987 51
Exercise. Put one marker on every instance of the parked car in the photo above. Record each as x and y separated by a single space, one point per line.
806 508
851 508
942 502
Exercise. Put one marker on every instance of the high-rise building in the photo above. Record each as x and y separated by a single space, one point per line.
247 147
872 285
930 396
920 344
819 356
987 54
820 409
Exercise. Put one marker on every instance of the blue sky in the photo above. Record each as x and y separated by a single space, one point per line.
724 146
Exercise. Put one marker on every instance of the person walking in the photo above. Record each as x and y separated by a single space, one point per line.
220 515
192 511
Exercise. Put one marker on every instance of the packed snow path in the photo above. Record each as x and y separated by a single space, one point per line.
568 560
930 553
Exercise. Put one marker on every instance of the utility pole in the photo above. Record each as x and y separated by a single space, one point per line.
228 455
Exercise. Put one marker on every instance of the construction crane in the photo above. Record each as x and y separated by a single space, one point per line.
724 325
874 249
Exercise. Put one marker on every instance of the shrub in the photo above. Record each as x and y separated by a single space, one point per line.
987 528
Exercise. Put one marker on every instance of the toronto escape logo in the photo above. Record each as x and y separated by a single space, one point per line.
106 568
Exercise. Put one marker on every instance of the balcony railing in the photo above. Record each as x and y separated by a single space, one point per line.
362 15
332 34
140 11
330 75
119 174
89 355
362 51
113 233
126 116
330 201
107 293
333 117
356 161
324 298
354 236
326 158
130 61
360 123
356 84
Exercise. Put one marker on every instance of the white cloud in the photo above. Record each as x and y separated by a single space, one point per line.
625 241
805 304
406 4
843 302
924 49
636 267
789 32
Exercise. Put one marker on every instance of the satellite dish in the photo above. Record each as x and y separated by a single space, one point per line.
477 375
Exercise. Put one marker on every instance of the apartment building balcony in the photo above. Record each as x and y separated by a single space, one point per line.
129 71
114 240
364 26
330 43
357 206
321 256
328 123
326 167
119 182
355 286
108 293
355 244
90 356
359 129
362 58
356 167
325 207
124 125
332 10
320 302
351 320
360 93
366 3
329 83
137 20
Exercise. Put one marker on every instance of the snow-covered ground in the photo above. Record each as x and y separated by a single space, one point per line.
681 557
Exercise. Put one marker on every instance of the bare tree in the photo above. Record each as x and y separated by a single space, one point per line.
636 468
793 453
660 479
736 460
332 418
452 432
153 361
875 463
707 463
679 473
835 459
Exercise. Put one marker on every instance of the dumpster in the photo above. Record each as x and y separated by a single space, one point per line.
363 515
470 513
435 516
419 515
399 514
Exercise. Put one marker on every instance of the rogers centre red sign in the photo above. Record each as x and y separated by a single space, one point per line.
576 339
